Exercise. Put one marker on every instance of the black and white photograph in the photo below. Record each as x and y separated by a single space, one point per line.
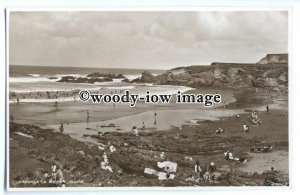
147 98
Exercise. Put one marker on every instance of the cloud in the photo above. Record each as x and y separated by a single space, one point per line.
144 39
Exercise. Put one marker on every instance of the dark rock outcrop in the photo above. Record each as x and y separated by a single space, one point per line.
269 72
92 78
106 75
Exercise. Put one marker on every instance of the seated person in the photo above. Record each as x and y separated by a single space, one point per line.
245 128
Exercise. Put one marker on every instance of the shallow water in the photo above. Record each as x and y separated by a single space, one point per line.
165 120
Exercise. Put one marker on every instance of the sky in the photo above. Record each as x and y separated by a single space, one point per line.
144 40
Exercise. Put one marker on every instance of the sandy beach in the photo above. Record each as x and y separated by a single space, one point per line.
195 141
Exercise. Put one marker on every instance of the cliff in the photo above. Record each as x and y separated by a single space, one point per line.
274 58
270 72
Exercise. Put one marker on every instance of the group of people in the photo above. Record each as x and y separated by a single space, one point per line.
205 174
56 177
220 131
255 119
229 157
134 129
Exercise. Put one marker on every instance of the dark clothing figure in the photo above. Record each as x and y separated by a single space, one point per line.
267 108
55 106
212 168
155 117
87 116
11 117
61 128
199 170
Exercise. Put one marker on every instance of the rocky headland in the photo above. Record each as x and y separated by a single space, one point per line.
269 72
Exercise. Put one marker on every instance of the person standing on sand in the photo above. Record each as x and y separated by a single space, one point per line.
61 128
11 117
198 170
267 108
87 116
55 106
155 117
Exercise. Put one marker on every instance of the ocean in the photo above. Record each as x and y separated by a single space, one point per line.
33 79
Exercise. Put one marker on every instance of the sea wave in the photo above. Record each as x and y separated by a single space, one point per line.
140 90
44 100
32 78
132 77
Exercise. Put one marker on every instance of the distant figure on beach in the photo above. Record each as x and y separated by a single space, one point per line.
11 117
155 117
87 116
55 106
144 126
61 128
18 100
74 99
267 108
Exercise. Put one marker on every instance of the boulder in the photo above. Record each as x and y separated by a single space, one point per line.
147 77
105 75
